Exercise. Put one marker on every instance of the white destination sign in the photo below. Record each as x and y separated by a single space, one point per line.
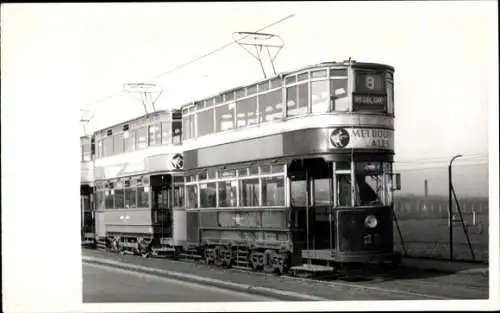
361 138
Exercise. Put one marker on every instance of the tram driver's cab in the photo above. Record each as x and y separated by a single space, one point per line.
335 220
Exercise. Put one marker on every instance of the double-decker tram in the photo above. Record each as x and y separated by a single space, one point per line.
294 169
139 185
87 226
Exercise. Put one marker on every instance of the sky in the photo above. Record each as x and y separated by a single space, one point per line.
58 58
441 52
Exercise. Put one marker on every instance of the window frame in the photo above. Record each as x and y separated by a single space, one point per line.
197 180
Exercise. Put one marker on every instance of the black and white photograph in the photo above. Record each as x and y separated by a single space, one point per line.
250 156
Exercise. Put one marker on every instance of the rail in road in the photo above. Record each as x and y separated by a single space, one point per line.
400 284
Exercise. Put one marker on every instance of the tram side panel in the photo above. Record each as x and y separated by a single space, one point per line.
193 227
179 226
129 221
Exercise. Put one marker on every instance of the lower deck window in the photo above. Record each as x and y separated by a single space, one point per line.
130 198
109 199
119 198
143 198
100 200
227 193
178 195
192 196
208 194
273 191
249 192
344 190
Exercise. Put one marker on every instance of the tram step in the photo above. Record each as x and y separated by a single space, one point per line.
243 264
241 267
101 245
190 256
163 249
312 268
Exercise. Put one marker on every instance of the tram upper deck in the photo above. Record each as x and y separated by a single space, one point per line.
330 107
147 144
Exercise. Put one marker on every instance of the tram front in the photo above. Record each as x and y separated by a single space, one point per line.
348 189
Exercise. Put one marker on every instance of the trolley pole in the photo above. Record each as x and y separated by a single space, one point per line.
450 211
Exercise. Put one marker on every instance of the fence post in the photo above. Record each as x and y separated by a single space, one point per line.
450 211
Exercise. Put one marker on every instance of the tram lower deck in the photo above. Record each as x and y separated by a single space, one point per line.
293 210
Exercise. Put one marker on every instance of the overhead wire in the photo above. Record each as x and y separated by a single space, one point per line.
189 62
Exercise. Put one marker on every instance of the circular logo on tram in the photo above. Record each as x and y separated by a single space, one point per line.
177 161
339 138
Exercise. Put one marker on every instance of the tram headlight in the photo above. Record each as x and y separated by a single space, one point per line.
371 221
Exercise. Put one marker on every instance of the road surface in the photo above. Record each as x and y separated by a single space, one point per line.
399 284
106 284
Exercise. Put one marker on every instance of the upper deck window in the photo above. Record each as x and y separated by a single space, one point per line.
246 112
99 149
276 83
290 79
198 105
206 123
303 76
251 90
118 143
188 126
340 101
166 133
86 156
390 97
154 135
264 86
338 72
229 96
224 116
318 74
319 96
129 142
142 138
108 146
389 81
176 132
240 93
297 99
270 106
217 100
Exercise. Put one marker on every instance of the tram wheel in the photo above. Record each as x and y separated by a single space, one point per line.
255 260
269 258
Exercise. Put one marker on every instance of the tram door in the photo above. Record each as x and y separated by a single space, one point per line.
87 212
298 205
320 221
312 202
161 208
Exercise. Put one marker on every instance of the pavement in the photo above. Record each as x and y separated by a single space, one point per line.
446 266
108 284
406 283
